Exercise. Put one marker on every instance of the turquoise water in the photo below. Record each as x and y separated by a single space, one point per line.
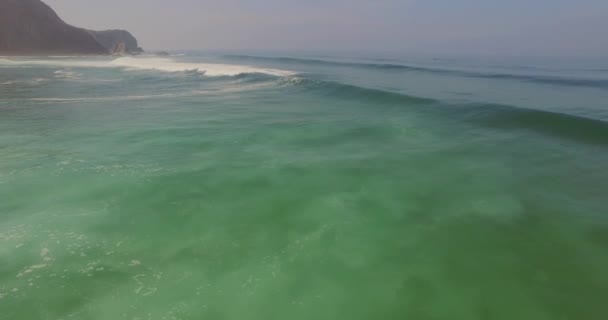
304 188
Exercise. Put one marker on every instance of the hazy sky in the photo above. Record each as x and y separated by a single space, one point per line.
503 27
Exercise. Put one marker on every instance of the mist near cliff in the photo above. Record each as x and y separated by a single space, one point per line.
518 27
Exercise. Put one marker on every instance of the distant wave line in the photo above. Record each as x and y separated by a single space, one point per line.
579 82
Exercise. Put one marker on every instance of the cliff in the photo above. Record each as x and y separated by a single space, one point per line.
30 27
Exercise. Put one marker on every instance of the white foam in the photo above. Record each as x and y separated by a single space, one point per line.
209 69
150 63
56 63
44 254
210 91
6 62
117 98
66 75
31 269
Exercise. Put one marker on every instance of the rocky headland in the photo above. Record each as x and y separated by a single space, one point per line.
30 27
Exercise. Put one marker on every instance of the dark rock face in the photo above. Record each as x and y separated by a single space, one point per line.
30 27
117 41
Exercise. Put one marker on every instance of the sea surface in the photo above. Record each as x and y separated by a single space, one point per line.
257 186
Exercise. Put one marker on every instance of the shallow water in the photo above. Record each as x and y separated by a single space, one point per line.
305 190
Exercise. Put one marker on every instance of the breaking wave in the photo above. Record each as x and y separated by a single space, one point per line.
501 117
147 63
209 69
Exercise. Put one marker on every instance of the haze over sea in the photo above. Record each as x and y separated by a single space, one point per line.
261 186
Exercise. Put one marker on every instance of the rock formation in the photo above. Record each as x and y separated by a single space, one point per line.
117 41
120 49
30 27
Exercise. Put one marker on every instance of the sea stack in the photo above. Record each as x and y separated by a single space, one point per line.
30 27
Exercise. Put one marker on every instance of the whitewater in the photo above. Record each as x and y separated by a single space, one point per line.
146 63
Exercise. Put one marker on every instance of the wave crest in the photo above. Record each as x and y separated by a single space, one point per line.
502 117
148 63
209 69
601 83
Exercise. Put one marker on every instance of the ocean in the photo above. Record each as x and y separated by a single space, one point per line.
261 186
